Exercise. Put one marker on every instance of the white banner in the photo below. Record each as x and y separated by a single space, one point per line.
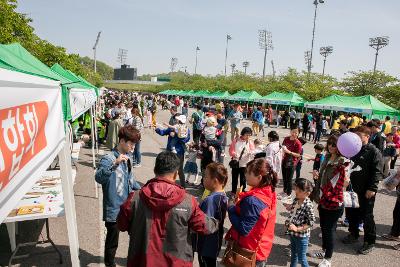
31 133
81 100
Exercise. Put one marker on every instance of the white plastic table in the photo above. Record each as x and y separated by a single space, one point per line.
53 205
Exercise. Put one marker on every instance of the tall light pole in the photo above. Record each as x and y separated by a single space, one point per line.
228 37
233 66
195 66
245 65
325 51
94 51
307 58
265 42
313 33
273 69
378 43
174 62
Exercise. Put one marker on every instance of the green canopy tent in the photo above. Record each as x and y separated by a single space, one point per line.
367 105
249 96
287 99
165 92
201 93
83 96
237 96
223 95
17 58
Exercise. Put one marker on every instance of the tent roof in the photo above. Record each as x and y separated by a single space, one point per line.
289 99
15 57
245 95
359 104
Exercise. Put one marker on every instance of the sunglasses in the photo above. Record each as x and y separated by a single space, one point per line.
331 144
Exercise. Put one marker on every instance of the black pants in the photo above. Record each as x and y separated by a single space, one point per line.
235 176
363 214
328 220
305 131
207 262
393 162
111 244
396 219
287 176
180 172
196 136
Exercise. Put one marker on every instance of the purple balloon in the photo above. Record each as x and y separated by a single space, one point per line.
349 144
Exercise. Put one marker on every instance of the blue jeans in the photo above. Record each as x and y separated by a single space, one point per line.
136 153
299 247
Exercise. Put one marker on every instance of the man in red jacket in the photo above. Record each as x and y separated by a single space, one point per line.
159 219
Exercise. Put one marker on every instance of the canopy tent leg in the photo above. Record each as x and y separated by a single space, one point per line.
69 201
95 128
93 152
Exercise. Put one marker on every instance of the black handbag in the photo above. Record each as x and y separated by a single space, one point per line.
234 163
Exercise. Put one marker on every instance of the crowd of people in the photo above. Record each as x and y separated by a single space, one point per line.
166 224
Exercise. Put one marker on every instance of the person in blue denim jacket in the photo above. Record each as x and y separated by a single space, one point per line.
115 175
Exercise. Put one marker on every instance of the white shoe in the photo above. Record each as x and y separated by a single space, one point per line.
325 263
281 195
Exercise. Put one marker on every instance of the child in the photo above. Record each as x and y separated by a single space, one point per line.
303 141
214 205
300 221
210 130
180 129
324 126
311 131
259 149
191 168
388 153
319 157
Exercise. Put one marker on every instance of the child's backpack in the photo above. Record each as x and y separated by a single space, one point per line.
182 131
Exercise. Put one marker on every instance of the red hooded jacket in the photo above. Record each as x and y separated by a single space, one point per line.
253 221
159 219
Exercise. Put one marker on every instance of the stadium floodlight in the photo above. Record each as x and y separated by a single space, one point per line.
378 43
265 43
233 66
95 50
325 51
245 65
316 2
174 62
195 66
228 38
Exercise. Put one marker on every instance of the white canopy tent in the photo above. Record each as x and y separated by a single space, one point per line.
32 134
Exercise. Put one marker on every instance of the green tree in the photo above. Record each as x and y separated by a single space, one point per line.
15 28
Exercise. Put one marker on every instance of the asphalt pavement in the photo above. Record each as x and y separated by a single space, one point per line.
92 231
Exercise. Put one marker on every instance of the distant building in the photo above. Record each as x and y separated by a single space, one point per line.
125 73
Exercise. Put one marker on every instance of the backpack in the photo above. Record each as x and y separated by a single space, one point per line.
198 121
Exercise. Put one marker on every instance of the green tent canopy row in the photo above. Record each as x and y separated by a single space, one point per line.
367 105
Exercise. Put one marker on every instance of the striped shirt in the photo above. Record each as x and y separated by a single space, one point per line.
301 215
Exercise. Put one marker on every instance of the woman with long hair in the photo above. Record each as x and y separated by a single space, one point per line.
253 216
331 179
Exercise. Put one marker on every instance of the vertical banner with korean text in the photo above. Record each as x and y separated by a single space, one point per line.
31 133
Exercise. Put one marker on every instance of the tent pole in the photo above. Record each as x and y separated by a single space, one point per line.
93 153
95 127
69 201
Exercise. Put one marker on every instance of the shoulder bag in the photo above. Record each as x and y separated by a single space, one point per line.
350 198
236 256
234 163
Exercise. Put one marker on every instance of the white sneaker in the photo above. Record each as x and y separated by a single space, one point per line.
325 263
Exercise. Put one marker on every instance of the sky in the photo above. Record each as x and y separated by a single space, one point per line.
154 31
